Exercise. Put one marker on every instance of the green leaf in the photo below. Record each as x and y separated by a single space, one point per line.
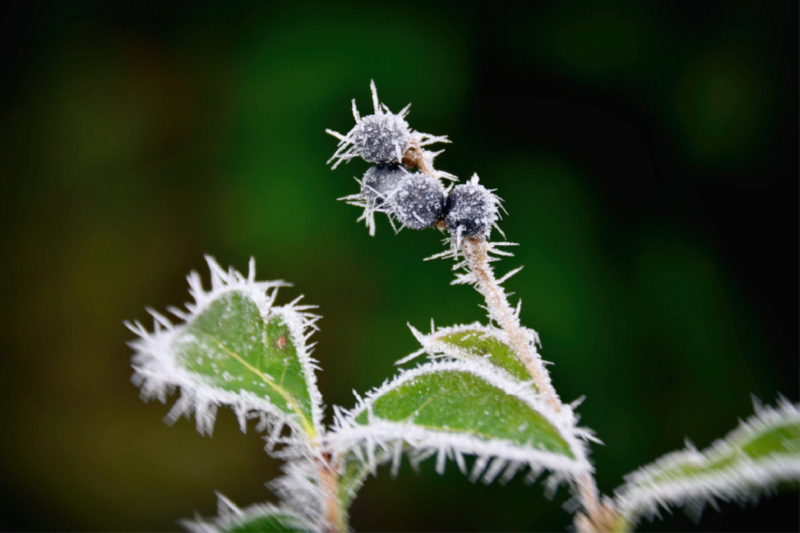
256 518
230 346
756 457
234 348
353 474
352 479
475 342
457 401
459 407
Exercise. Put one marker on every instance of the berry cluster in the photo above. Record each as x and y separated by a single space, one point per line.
416 200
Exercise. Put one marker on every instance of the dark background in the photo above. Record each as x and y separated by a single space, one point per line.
647 153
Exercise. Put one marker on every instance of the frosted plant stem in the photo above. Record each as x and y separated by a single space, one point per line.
329 480
475 251
414 158
600 517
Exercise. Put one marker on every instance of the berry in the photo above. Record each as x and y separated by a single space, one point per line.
418 201
380 181
471 210
381 138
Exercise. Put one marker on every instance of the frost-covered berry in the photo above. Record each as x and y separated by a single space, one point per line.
418 201
471 210
380 181
381 138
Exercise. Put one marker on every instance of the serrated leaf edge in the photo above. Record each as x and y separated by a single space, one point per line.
157 373
381 436
742 481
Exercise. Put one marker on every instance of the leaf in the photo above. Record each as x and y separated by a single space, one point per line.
463 407
354 472
458 401
757 456
475 342
234 348
256 518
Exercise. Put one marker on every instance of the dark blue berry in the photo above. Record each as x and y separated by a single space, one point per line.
380 181
471 210
418 201
381 138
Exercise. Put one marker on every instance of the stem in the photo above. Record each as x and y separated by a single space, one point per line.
475 251
587 488
414 157
328 472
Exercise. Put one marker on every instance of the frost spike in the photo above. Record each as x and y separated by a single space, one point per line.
497 466
441 460
532 475
375 104
409 357
478 468
510 472
459 458
509 274
335 134
397 457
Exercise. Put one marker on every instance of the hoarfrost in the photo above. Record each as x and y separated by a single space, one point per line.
379 138
738 477
158 372
383 438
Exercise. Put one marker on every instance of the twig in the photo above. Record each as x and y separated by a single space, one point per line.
328 472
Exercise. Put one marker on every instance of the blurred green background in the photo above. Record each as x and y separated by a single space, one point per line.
647 154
